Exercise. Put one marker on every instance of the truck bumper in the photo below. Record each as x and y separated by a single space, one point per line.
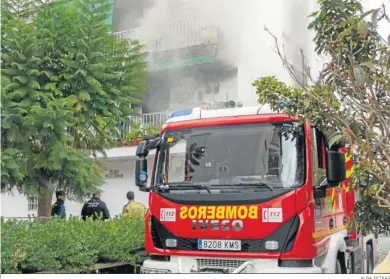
220 265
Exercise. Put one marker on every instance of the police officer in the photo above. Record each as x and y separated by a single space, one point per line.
95 208
58 208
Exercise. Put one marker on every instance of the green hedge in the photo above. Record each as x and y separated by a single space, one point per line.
71 246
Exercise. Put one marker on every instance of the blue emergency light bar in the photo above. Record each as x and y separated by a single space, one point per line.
181 112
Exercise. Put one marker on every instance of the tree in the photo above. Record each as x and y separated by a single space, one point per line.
69 85
350 100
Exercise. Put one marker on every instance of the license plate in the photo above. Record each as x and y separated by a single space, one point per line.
224 245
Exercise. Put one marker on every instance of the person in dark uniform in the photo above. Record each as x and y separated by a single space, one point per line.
95 208
58 208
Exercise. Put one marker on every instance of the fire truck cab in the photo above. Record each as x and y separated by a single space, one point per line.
248 190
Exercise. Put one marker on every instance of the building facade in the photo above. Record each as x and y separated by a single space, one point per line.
200 53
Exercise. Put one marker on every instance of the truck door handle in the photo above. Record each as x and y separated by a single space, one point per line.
331 223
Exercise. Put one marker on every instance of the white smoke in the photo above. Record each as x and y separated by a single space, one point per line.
172 19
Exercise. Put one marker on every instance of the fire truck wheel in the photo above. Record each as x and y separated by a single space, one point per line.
370 259
339 270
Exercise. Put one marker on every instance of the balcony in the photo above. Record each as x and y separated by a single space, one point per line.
156 120
179 34
142 125
151 123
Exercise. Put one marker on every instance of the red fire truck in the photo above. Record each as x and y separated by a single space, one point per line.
247 190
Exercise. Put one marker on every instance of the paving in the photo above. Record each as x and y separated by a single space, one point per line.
383 247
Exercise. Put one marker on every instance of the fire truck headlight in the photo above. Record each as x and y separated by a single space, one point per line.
271 245
170 242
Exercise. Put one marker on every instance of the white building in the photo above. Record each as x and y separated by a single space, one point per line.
201 53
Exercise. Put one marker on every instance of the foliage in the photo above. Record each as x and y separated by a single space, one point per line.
68 246
20 9
371 217
152 129
69 85
350 99
138 130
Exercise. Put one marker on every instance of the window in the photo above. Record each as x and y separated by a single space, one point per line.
319 161
173 166
222 155
32 203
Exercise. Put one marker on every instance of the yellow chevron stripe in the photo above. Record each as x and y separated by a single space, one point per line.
348 157
333 199
349 172
347 189
344 185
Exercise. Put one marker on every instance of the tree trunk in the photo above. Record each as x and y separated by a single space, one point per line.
44 201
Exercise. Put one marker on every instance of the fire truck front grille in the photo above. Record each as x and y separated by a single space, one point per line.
218 264
160 233
285 235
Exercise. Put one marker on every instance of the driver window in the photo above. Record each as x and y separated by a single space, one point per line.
176 167
319 161
174 163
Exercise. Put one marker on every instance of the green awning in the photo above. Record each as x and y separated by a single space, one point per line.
185 62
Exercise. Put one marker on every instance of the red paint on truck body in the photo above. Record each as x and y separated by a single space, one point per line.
299 202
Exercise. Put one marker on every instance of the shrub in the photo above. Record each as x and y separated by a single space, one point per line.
71 246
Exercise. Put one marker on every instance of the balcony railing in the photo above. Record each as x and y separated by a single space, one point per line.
179 34
155 120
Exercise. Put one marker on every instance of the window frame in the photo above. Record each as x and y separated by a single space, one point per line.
162 153
32 203
319 149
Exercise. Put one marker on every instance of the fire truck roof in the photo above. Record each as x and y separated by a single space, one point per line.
198 113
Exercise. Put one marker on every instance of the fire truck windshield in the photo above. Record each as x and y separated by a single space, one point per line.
269 153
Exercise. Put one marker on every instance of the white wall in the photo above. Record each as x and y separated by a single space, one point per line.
384 26
288 21
114 188
114 192
257 56
316 62
15 205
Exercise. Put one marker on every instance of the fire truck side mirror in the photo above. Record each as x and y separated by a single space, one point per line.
149 143
141 149
141 172
335 167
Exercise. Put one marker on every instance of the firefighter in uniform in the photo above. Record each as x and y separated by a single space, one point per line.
133 208
58 208
95 208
